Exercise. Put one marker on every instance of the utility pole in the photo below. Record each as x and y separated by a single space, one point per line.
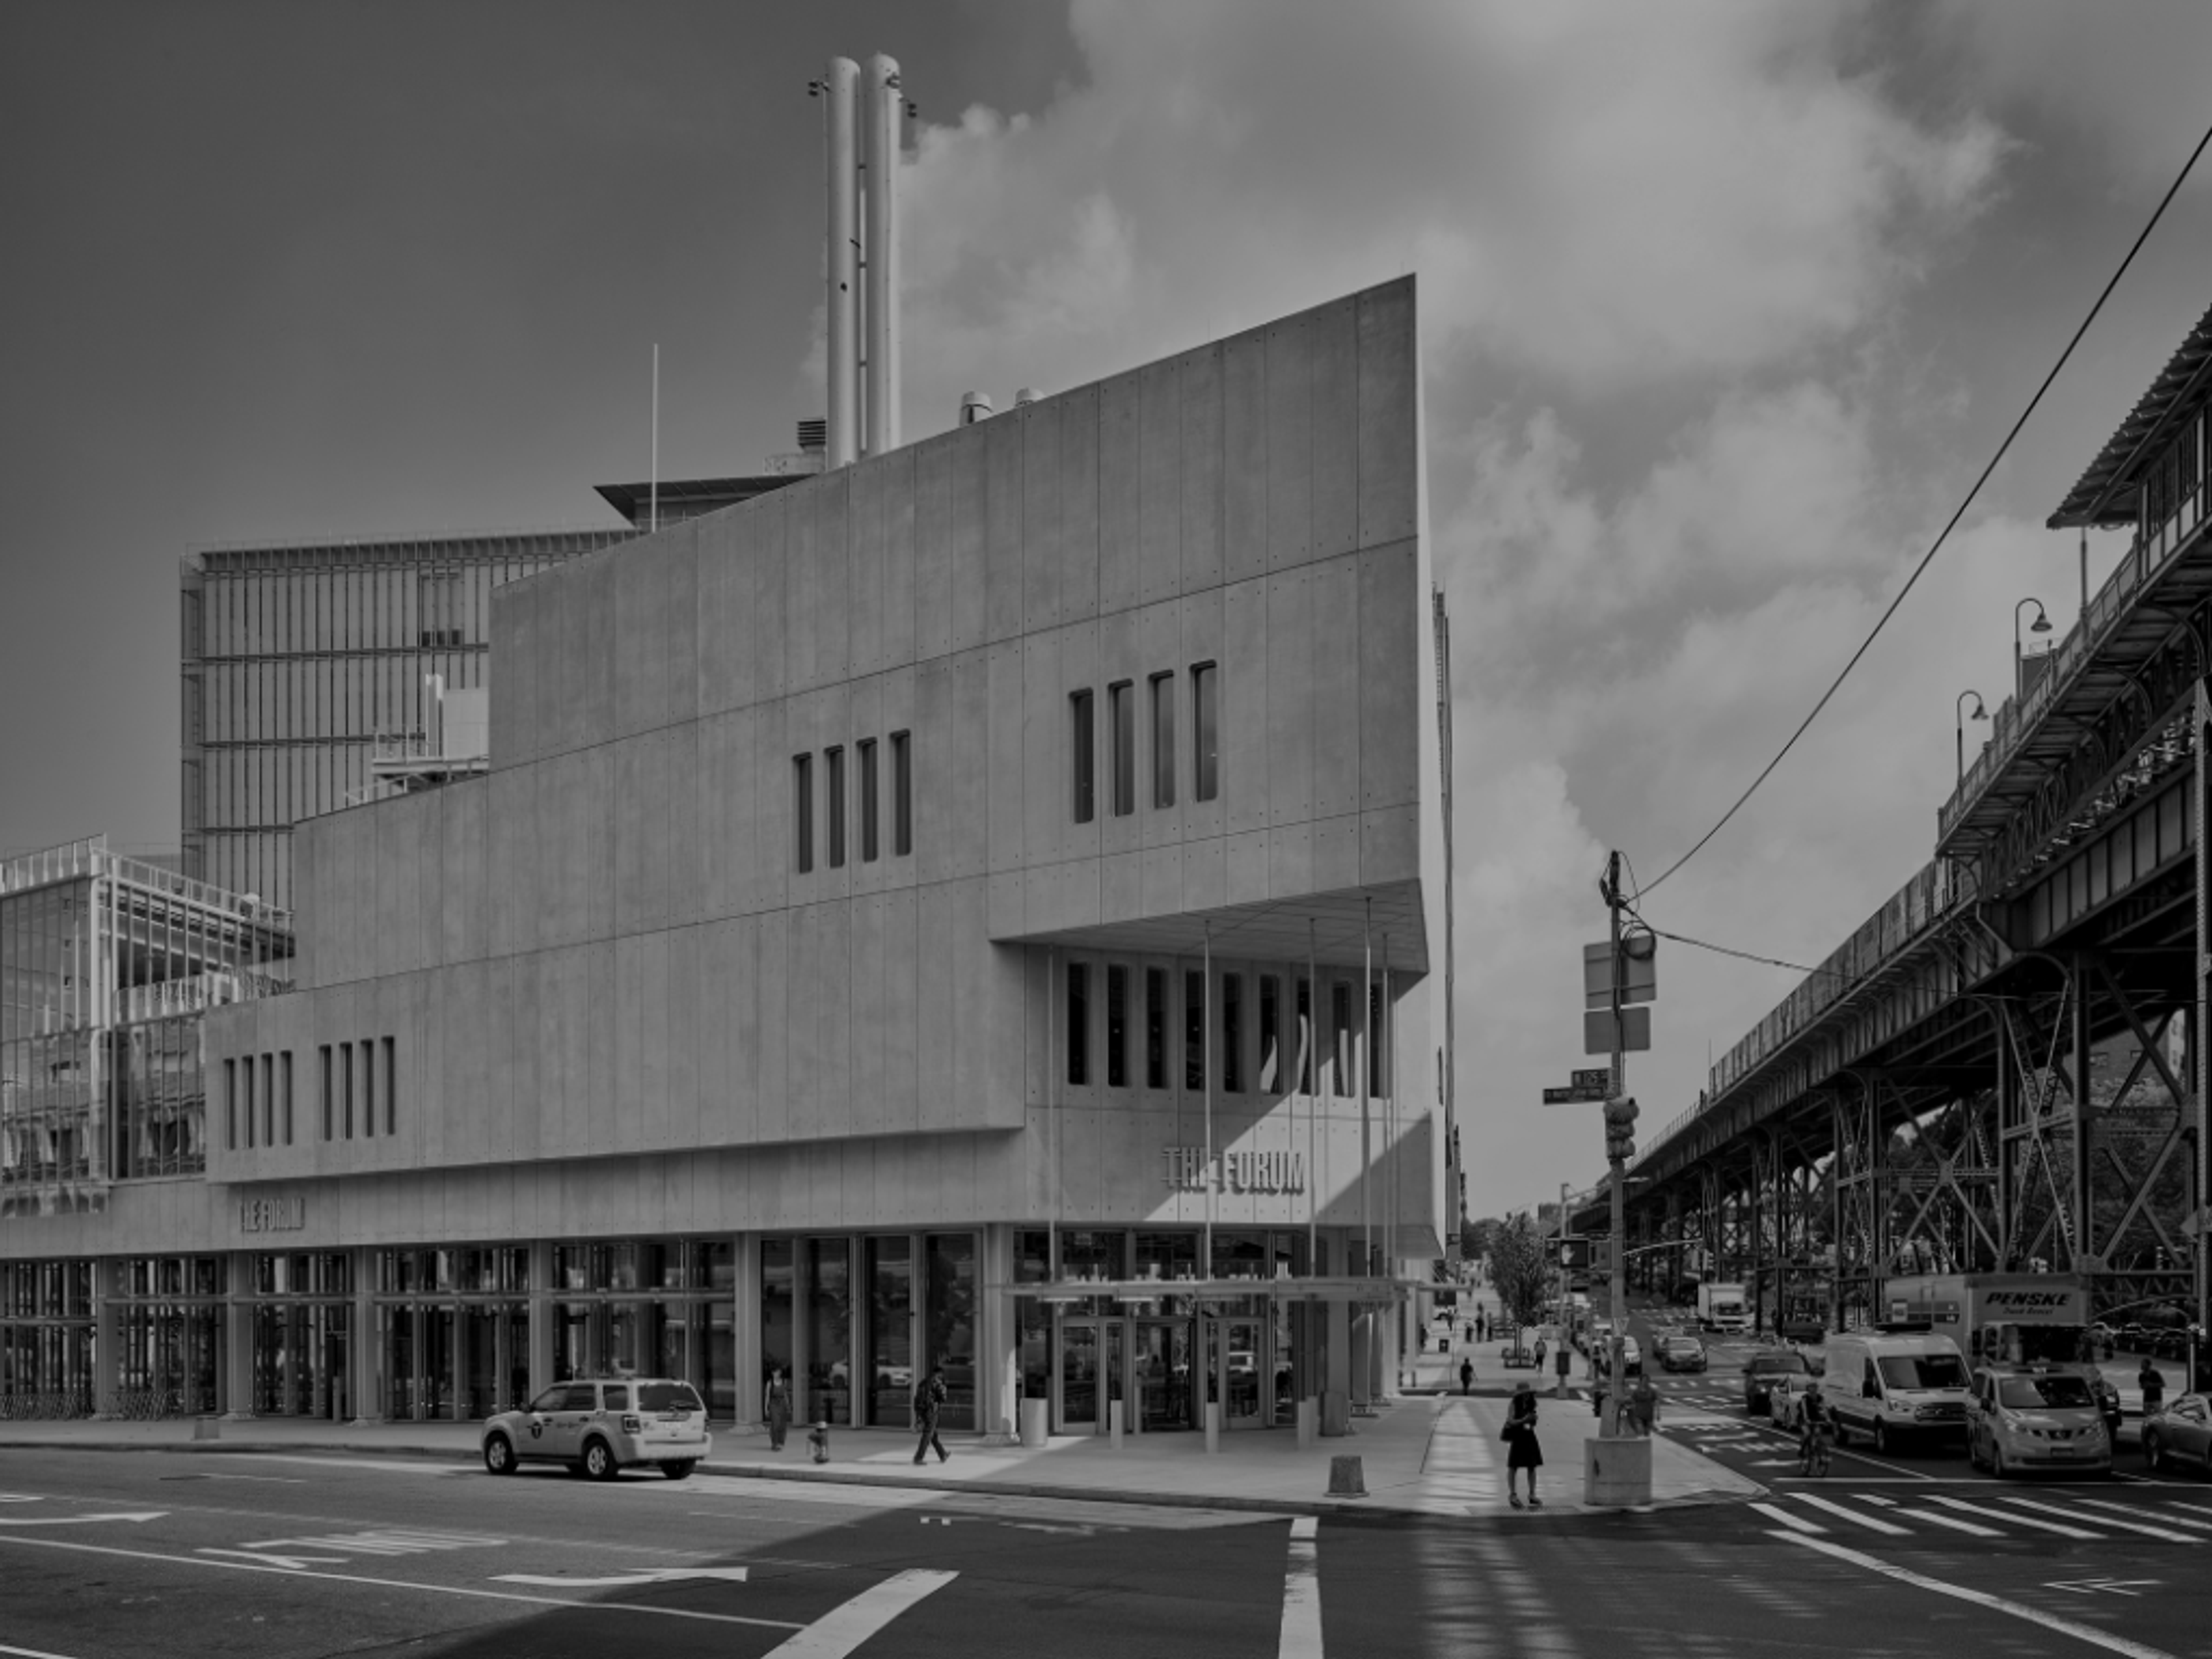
1559 1389
1609 1424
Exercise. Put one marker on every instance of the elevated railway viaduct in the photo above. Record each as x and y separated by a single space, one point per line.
2004 1068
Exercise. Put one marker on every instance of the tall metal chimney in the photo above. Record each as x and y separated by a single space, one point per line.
884 108
842 286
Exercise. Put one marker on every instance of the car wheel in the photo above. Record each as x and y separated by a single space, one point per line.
599 1460
499 1455
1881 1438
678 1468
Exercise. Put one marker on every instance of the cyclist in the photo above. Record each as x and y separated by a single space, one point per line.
1819 1433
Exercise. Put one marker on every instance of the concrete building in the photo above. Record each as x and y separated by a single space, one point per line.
972 907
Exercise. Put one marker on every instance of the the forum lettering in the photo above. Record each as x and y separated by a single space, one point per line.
1188 1170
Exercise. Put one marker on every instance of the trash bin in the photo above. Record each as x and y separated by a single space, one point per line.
1036 1419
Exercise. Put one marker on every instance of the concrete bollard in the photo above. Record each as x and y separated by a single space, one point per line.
1036 1422
1114 1414
207 1428
1617 1473
1309 1423
1213 1427
1345 1479
1335 1414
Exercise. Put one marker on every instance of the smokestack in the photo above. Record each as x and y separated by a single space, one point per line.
882 106
842 287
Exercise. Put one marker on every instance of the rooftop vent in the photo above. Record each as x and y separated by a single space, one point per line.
814 434
974 406
1028 394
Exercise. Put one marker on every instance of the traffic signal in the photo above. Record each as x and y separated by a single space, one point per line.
1620 1127
1572 1252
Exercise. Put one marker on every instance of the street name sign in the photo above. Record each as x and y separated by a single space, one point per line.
1577 1095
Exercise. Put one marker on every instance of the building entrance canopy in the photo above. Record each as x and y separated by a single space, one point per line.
1330 1287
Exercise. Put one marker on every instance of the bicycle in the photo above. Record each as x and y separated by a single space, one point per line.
1814 1450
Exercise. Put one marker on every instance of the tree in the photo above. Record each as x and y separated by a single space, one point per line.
1519 1273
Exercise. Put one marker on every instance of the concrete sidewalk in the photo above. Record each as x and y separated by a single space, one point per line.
1438 1456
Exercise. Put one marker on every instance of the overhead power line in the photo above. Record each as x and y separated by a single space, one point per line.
1928 558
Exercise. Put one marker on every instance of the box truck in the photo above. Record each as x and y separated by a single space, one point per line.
2007 1320
1721 1308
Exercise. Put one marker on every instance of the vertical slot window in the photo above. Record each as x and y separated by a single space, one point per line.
1083 742
1117 1028
330 1098
1163 743
902 794
1339 1019
269 1100
834 764
1271 1033
1193 1030
1232 1034
1121 736
868 843
1205 730
1156 1029
345 1084
288 1097
230 1104
391 1088
802 808
1079 1022
367 1089
246 1100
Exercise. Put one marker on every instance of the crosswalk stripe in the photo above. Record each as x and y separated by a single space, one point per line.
1955 1524
2165 1514
2008 1515
844 1628
1796 1523
2165 1532
1301 1631
1867 1521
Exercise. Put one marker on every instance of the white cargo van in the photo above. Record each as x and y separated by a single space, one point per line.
1887 1384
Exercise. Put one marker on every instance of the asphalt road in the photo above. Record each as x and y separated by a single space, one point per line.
186 1554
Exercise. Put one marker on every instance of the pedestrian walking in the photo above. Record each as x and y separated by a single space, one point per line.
1481 1327
1644 1406
776 1405
1467 1375
1522 1451
928 1401
2152 1382
1539 1353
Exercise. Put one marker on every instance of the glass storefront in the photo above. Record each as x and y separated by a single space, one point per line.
655 1307
302 1316
46 1339
169 1329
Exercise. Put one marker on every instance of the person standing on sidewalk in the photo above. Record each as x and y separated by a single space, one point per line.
2152 1382
1522 1451
776 1405
1466 1374
928 1401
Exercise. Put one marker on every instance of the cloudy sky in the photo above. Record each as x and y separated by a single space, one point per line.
1725 306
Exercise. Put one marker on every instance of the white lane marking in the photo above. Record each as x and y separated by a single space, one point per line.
79 1520
1953 1522
2165 1514
2089 1633
1794 1523
842 1629
650 1576
2012 1516
2128 1587
370 1465
1300 1633
271 1559
1875 1497
2166 1534
1867 1521
33 1653
379 1541
410 1584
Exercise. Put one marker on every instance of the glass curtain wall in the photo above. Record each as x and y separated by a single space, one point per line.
169 1329
46 1340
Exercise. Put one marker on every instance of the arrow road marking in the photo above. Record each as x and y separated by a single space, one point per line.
838 1632
2102 1586
292 1562
79 1520
649 1576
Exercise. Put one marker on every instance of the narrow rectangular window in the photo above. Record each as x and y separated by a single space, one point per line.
868 849
1340 1015
288 1097
1163 747
1117 1027
1205 730
834 760
1193 1030
247 1099
1306 1036
1233 1033
391 1088
802 803
269 1100
1079 1022
345 1081
902 794
1083 741
367 1089
230 1104
1156 1029
1121 734
1271 1033
329 1099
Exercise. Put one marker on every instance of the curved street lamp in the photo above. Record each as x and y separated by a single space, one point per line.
2040 625
1979 714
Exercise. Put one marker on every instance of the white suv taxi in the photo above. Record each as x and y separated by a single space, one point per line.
601 1426
2035 1418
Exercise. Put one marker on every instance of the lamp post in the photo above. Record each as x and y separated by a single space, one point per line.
1979 714
2040 625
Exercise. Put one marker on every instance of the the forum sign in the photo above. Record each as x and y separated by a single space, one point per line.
1189 1170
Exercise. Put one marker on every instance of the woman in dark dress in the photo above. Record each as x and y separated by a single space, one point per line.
776 1407
1523 1452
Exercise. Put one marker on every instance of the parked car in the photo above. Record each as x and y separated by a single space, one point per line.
2179 1432
2032 1417
601 1426
1679 1353
1759 1373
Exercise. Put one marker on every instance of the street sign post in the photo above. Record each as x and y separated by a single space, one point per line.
1580 1094
1594 1077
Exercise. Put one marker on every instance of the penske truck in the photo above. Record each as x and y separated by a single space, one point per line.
2039 1320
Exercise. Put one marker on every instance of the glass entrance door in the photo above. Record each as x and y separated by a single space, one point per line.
1240 1353
1076 1384
1163 1373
